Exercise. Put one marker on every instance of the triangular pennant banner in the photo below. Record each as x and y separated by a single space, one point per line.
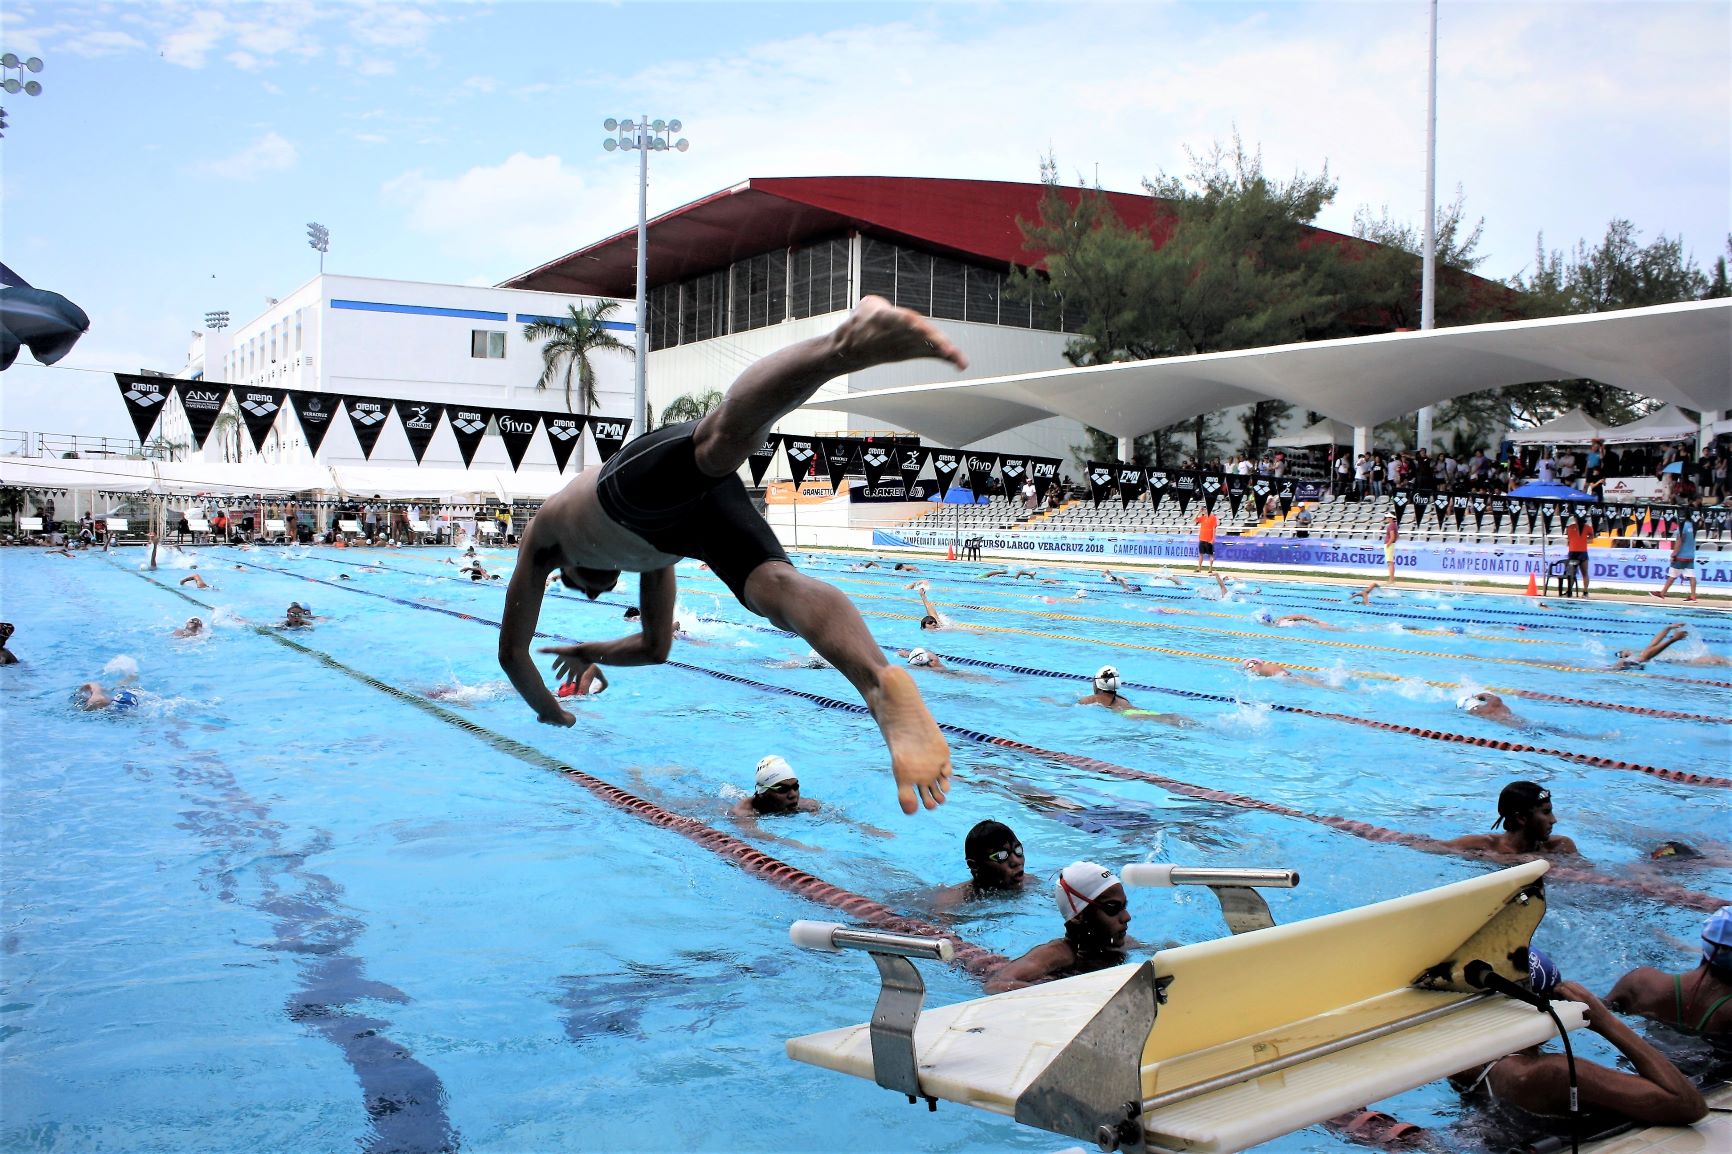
563 433
1458 509
1211 486
367 416
1284 496
1184 489
1421 502
144 397
420 419
875 461
1044 472
1130 483
802 454
202 403
1236 486
1478 513
838 454
609 434
314 411
1440 506
1013 471
945 463
980 467
762 456
910 461
469 425
1157 489
1100 477
259 409
1497 507
517 428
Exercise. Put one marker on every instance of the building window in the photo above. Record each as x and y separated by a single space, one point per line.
486 345
298 313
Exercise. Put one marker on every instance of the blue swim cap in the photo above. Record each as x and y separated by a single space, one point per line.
1543 973
1264 617
1717 939
124 699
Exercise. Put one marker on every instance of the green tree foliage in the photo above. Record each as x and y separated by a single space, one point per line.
1261 421
569 343
691 406
1388 279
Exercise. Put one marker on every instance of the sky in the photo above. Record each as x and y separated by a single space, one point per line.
178 150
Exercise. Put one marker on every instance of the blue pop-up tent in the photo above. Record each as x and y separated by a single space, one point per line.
1552 490
958 495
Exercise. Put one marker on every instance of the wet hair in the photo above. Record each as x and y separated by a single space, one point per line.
985 837
1518 799
632 613
929 622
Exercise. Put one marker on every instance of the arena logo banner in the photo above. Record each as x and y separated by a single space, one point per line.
762 456
1548 510
980 469
802 455
367 416
420 419
314 411
144 397
1440 506
945 463
875 461
1100 481
1184 488
1211 487
910 460
1400 499
1044 472
838 454
517 428
259 409
609 434
1131 483
1236 486
469 426
1157 489
563 433
203 403
1013 471
1478 507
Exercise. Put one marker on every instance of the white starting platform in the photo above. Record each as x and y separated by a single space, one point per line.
1218 1046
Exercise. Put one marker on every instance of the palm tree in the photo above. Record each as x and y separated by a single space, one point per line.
570 341
691 406
226 430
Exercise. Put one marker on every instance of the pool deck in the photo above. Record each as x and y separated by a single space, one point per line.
1713 1133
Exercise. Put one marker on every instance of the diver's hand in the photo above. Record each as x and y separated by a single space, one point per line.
570 661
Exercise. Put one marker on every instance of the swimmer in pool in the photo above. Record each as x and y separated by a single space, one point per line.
862 566
904 567
812 660
1488 707
7 657
1106 692
1259 668
995 867
195 581
1122 583
931 620
1664 640
675 493
296 618
1264 617
193 628
1698 1002
1096 915
1363 596
776 791
92 698
1524 809
1079 595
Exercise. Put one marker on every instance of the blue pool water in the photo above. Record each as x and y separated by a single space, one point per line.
280 908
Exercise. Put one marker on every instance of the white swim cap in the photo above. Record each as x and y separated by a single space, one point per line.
1079 885
919 657
1249 663
1107 680
773 771
1470 701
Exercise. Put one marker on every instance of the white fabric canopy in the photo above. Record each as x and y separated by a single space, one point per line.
222 479
1678 353
1573 428
1663 424
113 474
1328 431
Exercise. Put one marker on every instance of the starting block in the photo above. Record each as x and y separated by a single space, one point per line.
1213 1047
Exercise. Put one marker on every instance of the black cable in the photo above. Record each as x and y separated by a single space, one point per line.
1575 1097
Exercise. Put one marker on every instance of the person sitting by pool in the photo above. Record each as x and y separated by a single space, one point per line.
1538 1086
7 657
1287 621
995 866
1487 707
193 628
777 791
92 697
1096 915
1664 640
1524 809
195 581
1257 667
1699 1002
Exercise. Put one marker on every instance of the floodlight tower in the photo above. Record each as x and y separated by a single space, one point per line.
645 136
319 239
10 63
217 320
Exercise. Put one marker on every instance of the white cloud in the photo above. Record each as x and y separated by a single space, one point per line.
189 44
507 215
269 153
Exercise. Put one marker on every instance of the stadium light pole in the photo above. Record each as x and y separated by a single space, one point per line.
318 239
645 136
1428 266
13 85
217 320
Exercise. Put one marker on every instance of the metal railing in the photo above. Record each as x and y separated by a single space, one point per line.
29 443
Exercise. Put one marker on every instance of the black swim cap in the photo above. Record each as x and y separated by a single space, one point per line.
986 837
1518 799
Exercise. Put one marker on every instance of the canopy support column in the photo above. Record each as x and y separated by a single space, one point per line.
1361 440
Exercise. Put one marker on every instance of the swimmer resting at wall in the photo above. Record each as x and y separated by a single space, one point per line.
1524 809
676 493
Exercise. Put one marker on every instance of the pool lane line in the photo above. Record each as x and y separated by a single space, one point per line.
972 958
1683 777
1666 892
1535 695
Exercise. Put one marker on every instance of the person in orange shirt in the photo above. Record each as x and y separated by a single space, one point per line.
1577 535
1206 522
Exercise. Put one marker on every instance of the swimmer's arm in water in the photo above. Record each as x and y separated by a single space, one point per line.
648 646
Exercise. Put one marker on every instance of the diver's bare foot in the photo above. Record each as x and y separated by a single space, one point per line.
879 333
919 757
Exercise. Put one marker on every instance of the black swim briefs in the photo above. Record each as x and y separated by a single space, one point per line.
653 487
1206 548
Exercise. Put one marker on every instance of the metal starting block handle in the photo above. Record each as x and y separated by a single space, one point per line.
900 994
1241 904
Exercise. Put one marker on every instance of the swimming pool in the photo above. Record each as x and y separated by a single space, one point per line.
290 903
